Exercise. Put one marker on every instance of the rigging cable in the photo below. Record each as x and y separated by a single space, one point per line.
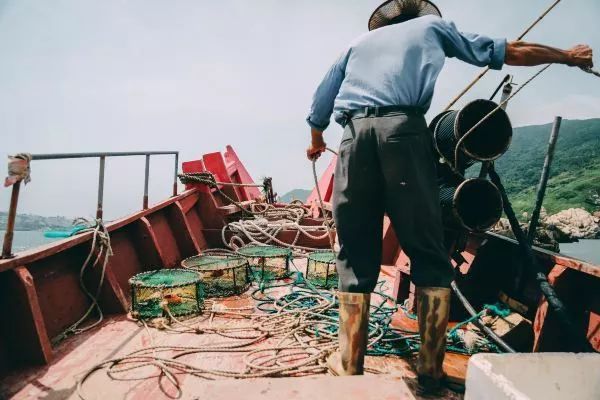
485 71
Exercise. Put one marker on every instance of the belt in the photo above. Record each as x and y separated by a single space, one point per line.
380 112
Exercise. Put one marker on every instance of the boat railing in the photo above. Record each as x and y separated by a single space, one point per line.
12 212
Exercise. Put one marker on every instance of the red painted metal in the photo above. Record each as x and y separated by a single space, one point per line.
215 163
239 174
23 334
190 167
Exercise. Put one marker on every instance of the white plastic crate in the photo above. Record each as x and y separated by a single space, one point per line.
533 376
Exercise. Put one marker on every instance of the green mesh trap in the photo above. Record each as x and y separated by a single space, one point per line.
320 269
178 289
267 262
222 274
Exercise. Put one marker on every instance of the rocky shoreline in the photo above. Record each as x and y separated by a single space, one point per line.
566 226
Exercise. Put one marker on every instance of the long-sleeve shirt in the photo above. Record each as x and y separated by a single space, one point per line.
398 65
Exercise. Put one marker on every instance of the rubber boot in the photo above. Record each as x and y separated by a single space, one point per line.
353 334
433 308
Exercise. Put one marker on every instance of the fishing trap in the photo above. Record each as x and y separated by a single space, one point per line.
222 274
157 293
267 262
320 269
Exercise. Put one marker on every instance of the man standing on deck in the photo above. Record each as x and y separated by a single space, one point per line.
379 89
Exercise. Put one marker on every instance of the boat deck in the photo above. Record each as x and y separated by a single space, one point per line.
118 335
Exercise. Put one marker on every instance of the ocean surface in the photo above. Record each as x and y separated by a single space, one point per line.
585 249
24 240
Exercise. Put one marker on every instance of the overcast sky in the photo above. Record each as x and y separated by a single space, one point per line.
194 76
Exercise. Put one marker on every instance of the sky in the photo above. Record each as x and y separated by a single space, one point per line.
195 76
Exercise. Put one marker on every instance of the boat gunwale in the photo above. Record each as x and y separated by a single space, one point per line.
557 258
40 252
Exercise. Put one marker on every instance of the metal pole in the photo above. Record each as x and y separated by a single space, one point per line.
146 179
100 187
175 174
541 189
62 156
10 224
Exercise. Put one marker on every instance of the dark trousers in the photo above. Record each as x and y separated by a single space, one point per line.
386 164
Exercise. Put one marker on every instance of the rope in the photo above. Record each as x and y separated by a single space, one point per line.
208 179
485 71
301 328
322 204
102 247
482 120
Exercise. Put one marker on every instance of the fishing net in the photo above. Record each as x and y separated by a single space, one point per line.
179 290
320 269
222 274
267 262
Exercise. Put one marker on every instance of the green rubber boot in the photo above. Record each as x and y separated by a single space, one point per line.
433 308
353 334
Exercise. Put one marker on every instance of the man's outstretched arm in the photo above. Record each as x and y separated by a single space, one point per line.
530 54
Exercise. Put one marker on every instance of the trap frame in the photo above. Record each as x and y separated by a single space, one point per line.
267 262
178 289
320 269
222 274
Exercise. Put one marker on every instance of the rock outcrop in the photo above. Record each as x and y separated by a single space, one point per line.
576 223
563 227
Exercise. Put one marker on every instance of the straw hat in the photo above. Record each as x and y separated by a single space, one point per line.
396 11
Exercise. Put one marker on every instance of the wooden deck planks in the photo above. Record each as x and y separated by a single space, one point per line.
119 336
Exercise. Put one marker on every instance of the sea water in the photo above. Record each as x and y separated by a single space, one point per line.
586 249
24 240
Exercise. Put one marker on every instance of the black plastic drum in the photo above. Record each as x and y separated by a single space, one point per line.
487 142
475 205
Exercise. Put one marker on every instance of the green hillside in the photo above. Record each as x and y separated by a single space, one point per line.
575 172
296 194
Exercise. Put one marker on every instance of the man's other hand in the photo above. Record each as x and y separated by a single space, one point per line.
317 145
581 56
314 151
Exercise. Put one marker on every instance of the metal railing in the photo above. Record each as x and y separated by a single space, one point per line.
12 212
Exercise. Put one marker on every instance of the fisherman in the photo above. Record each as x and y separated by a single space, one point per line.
379 89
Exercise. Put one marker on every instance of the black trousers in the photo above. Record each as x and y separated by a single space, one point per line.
386 164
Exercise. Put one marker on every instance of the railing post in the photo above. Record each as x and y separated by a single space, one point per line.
175 175
541 189
146 179
100 187
10 223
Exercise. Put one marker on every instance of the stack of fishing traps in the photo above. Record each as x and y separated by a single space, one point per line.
320 269
165 293
222 274
267 262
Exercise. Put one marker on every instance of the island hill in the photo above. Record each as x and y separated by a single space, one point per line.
572 202
29 222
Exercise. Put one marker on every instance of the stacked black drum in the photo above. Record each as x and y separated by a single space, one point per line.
474 204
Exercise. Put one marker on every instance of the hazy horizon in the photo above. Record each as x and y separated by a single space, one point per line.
82 76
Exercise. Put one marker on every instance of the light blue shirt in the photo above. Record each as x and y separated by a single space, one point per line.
398 65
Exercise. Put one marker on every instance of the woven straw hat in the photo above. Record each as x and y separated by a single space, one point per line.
396 11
